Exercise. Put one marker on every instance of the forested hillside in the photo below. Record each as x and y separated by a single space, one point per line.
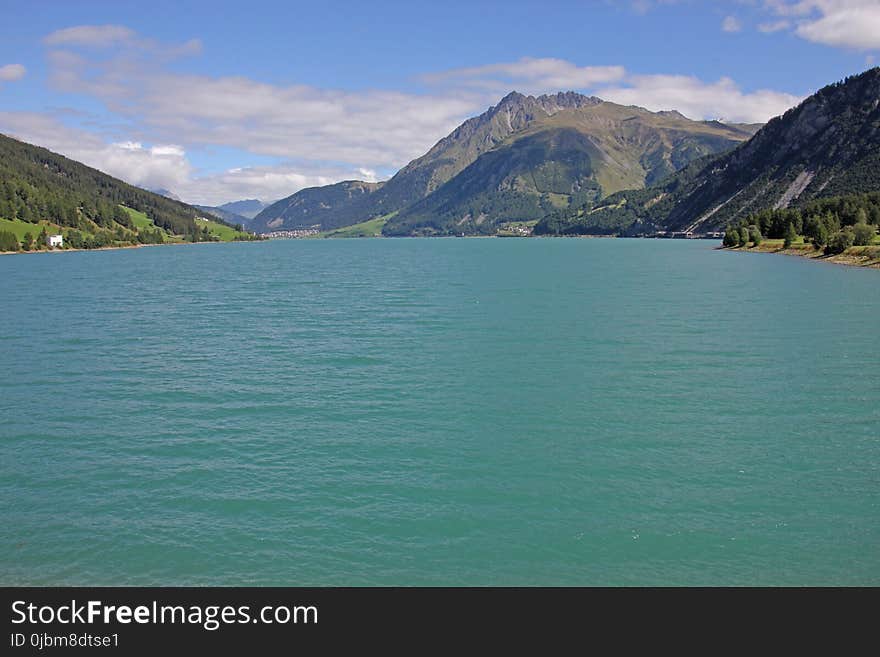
56 194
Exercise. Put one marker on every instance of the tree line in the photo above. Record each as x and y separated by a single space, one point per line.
831 224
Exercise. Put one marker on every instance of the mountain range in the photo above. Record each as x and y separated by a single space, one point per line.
247 208
518 161
229 217
328 207
564 163
235 213
829 145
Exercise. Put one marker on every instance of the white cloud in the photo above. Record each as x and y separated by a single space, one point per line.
99 36
12 72
731 24
700 100
265 183
157 114
379 128
846 26
367 175
373 128
528 75
168 151
851 24
642 7
166 166
774 26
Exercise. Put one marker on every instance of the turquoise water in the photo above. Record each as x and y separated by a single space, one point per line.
441 411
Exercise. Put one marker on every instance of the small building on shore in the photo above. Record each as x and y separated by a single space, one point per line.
54 241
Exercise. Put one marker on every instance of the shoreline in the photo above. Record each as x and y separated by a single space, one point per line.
118 248
847 259
72 250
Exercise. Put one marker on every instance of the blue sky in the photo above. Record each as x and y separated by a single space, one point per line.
217 102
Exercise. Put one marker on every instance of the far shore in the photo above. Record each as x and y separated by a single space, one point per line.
865 257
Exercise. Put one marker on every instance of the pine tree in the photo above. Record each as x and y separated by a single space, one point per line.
731 237
755 235
790 236
8 241
863 234
820 235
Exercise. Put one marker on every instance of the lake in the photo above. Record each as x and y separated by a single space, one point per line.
439 412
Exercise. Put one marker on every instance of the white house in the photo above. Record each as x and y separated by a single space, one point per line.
55 240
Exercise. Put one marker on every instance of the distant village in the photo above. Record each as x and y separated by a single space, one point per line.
296 233
505 230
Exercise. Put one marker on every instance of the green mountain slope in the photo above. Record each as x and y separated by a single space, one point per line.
591 148
52 192
829 145
575 156
327 207
525 179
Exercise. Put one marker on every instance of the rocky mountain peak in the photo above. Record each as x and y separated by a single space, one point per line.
548 103
552 103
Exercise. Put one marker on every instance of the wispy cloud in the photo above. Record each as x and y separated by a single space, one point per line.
774 26
696 99
109 36
642 7
731 24
372 128
528 75
12 72
100 36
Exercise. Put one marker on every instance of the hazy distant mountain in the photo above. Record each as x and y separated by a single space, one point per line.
328 207
229 217
829 145
161 191
248 208
519 160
